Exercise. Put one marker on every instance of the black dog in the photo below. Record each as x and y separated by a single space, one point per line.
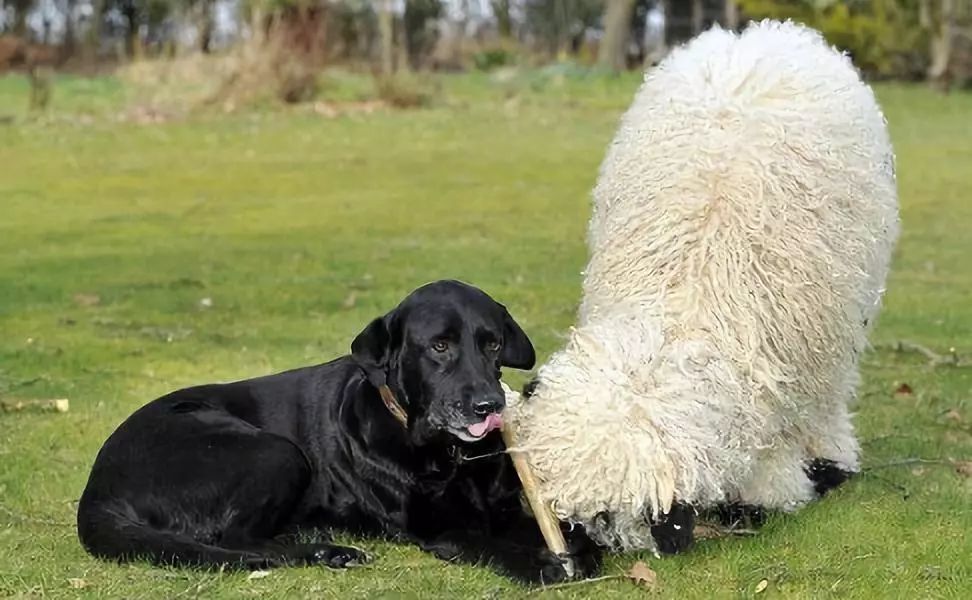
230 474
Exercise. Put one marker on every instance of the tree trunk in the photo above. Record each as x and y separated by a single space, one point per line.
133 45
698 16
386 26
941 26
401 49
67 45
504 22
562 32
206 25
617 29
459 32
732 15
21 8
40 86
92 37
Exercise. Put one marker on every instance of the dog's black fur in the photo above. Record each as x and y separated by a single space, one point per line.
226 474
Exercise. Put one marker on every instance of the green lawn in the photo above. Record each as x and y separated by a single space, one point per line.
300 228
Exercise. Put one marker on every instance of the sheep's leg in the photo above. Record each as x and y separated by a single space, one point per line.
779 481
832 448
834 440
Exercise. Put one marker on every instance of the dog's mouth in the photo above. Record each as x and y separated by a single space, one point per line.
477 431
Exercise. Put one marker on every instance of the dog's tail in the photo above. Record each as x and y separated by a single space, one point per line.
117 533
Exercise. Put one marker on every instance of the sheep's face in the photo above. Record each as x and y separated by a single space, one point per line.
623 422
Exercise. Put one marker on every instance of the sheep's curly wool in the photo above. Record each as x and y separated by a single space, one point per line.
742 229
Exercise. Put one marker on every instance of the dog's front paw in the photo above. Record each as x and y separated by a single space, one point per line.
551 568
582 561
585 554
443 549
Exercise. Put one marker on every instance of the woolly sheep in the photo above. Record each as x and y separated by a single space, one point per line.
742 228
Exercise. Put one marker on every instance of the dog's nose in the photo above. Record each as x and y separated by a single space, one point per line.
489 405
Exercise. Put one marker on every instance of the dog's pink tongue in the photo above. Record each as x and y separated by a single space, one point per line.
491 422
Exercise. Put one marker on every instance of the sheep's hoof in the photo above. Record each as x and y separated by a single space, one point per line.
740 516
673 530
825 475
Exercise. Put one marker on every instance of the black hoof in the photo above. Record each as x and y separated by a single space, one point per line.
740 516
825 475
673 531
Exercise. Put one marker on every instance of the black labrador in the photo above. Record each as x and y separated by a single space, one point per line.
236 474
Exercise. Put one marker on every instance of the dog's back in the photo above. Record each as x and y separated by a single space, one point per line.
202 476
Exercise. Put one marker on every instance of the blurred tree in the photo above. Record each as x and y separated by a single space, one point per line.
612 53
386 26
504 20
356 26
206 19
938 18
561 25
67 43
731 18
20 8
421 31
92 35
882 36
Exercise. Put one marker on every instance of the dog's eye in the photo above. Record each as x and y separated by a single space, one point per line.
440 346
494 346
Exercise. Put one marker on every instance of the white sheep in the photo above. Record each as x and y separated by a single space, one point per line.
741 234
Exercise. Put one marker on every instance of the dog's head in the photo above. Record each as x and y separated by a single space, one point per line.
441 351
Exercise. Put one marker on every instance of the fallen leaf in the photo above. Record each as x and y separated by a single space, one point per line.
641 574
257 575
963 467
953 415
87 299
904 390
761 586
77 583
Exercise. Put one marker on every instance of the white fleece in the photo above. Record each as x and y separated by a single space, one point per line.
741 234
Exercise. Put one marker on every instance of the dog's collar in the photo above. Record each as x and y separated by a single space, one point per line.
376 376
391 403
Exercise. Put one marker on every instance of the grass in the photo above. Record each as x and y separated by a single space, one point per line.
298 229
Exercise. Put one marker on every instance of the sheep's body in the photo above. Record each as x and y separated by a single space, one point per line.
742 230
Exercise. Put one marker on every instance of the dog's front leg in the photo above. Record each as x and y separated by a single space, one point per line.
526 560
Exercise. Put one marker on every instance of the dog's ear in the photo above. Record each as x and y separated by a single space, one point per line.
517 351
372 347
